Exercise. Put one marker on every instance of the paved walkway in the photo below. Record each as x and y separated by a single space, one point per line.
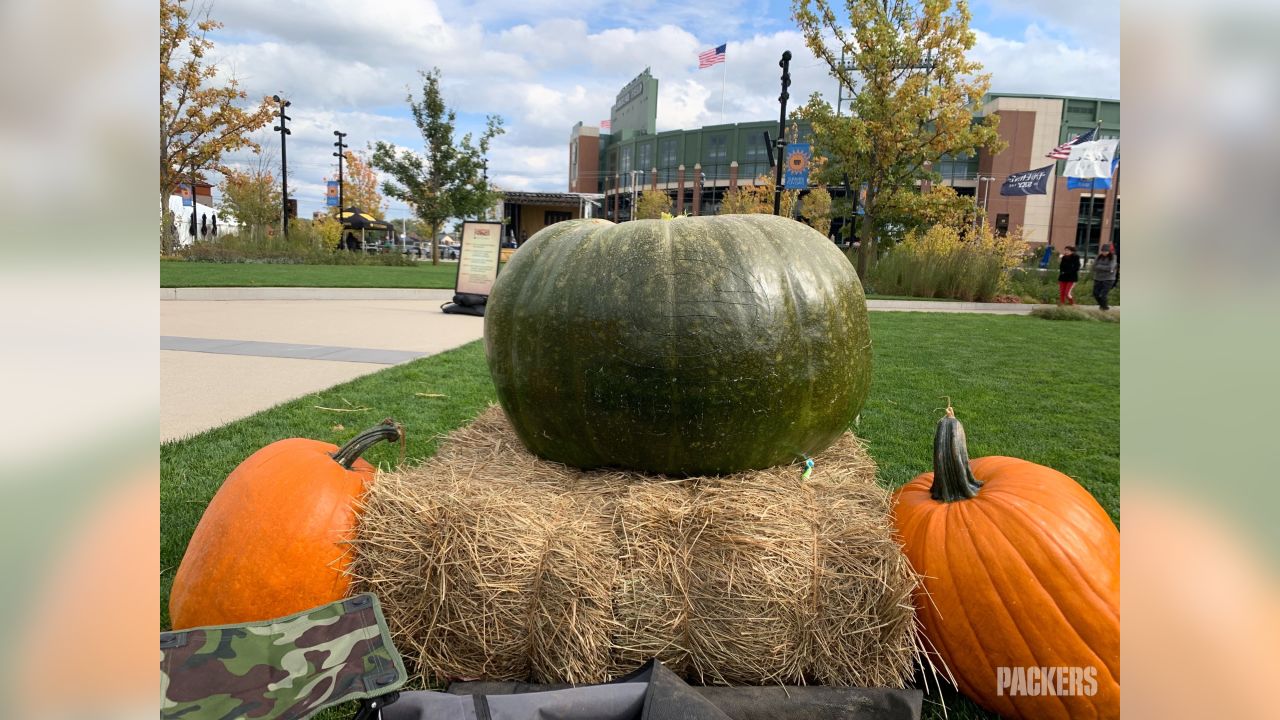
224 360
226 353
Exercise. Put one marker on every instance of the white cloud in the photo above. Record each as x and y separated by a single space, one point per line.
539 65
1040 64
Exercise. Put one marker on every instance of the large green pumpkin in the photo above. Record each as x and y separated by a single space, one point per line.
691 346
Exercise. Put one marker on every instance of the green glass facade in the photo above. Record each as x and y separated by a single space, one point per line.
714 147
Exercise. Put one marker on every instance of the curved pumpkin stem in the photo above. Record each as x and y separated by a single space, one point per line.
387 430
952 476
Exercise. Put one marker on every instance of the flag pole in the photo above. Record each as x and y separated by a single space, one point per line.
1053 206
1088 233
724 71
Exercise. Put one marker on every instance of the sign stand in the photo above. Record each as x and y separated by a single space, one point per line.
477 268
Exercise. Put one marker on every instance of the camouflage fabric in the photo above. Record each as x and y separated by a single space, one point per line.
287 668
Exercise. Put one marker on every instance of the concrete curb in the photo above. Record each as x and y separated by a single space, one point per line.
303 293
442 295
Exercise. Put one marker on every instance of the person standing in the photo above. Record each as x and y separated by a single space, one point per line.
1068 275
1104 276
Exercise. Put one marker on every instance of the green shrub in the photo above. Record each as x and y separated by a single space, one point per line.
1076 313
304 246
943 263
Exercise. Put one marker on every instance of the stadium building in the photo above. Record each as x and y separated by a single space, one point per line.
697 167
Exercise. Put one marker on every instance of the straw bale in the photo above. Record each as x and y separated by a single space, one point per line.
492 563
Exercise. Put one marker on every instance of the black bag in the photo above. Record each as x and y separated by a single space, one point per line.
653 693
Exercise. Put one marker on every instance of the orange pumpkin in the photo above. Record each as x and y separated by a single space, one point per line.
272 542
1021 581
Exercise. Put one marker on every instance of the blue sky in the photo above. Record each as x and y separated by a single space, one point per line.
545 64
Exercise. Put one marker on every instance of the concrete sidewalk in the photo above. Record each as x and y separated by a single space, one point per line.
221 361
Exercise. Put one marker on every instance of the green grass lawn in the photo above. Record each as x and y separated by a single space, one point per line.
208 274
1045 391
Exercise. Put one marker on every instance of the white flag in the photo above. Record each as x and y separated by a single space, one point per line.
1091 159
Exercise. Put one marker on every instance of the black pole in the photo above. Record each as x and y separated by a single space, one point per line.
1088 233
341 147
785 64
284 165
853 210
194 207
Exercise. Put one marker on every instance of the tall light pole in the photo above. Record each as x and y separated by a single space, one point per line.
785 64
284 165
979 194
341 147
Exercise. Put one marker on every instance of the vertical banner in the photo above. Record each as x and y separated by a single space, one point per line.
478 262
796 176
185 191
331 193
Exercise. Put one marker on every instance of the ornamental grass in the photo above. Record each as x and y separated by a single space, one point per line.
946 262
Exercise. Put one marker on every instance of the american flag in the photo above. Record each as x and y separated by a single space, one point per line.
1063 151
604 124
711 57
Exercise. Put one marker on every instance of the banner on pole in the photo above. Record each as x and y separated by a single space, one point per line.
331 193
1091 159
1030 182
796 176
185 191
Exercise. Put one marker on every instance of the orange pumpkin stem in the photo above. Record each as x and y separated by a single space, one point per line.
387 430
952 476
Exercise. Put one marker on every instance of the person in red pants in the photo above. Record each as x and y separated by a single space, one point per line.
1068 275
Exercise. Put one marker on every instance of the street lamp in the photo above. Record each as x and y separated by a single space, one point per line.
284 165
985 197
341 146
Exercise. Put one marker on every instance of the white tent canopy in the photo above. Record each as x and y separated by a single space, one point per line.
182 219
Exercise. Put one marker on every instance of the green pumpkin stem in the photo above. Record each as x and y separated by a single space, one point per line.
952 476
387 430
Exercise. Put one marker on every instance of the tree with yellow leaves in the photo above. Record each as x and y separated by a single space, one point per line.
360 185
915 94
200 120
757 199
652 204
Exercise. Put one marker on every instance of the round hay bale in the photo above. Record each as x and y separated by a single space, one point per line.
492 563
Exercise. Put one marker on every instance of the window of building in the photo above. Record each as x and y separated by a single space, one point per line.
755 155
644 157
625 168
1088 234
1115 227
668 159
551 217
1002 224
715 161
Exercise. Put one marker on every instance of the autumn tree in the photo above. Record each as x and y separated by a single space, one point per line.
652 204
905 210
758 199
914 92
201 119
446 179
360 185
251 196
817 209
